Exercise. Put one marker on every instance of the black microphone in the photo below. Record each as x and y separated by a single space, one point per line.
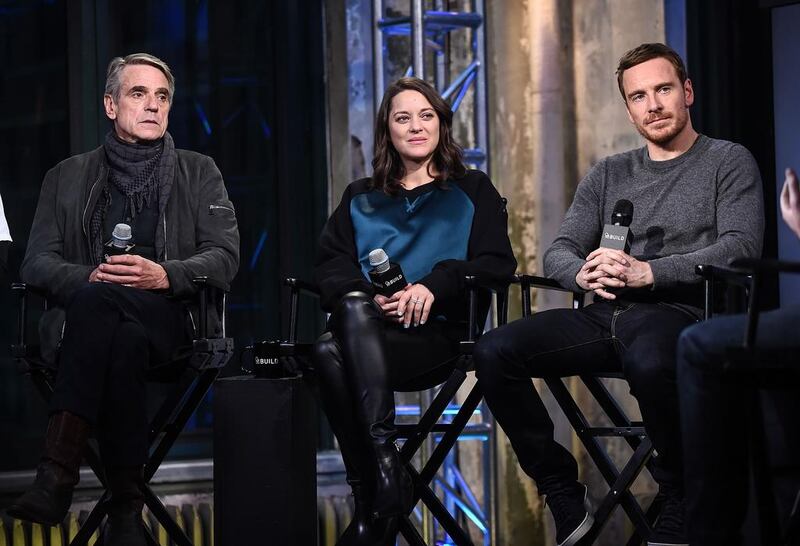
121 241
617 234
387 277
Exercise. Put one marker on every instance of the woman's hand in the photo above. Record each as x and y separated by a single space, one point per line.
414 305
790 202
389 305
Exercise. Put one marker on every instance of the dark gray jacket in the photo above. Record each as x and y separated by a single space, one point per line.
197 232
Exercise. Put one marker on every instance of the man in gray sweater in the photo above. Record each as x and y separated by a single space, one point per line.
697 200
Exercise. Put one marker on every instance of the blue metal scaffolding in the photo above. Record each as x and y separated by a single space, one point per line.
431 30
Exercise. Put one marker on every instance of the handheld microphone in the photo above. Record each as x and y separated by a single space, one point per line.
617 235
121 241
387 277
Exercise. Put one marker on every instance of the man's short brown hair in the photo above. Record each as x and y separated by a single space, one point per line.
646 52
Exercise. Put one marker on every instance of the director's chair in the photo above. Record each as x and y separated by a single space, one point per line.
757 369
192 372
633 432
446 431
619 480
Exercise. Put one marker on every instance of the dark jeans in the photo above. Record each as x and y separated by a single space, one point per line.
112 335
362 360
713 409
637 339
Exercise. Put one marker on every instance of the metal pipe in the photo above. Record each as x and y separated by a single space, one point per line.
295 300
752 312
463 91
481 107
473 66
377 53
418 38
203 312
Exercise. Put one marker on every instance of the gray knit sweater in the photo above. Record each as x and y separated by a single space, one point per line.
703 207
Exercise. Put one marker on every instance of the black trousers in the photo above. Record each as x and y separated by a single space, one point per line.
4 258
362 359
638 339
113 334
713 415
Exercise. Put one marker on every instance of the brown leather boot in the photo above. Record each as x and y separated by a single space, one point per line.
124 526
49 499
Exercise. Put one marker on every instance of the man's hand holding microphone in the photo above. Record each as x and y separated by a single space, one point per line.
610 266
127 269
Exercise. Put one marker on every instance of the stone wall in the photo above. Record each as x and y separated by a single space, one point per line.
554 110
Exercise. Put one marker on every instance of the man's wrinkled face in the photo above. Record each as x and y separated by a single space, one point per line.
658 104
142 110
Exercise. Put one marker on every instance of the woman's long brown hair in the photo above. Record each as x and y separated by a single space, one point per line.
447 160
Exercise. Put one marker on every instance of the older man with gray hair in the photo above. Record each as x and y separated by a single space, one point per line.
116 315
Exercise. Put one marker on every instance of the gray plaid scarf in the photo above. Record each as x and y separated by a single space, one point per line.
138 171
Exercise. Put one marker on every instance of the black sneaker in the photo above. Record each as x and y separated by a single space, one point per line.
570 508
670 527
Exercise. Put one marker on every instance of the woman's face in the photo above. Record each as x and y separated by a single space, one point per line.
413 126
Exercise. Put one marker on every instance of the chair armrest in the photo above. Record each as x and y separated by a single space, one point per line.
297 287
204 284
22 290
534 281
300 285
499 286
748 273
758 268
476 281
767 266
731 275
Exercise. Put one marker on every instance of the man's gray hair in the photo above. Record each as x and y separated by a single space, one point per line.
116 65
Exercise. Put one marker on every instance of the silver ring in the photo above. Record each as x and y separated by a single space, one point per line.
416 301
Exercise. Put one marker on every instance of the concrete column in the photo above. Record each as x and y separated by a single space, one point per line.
602 33
554 110
530 119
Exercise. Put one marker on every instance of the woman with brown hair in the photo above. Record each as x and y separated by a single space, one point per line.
439 221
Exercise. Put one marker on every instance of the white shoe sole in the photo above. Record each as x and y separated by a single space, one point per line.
581 530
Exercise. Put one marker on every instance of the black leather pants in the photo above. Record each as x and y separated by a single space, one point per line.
361 360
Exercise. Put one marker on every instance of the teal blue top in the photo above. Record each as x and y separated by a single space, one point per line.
437 233
417 229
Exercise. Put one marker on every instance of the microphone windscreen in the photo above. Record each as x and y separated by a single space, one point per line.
121 235
623 213
122 231
379 260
